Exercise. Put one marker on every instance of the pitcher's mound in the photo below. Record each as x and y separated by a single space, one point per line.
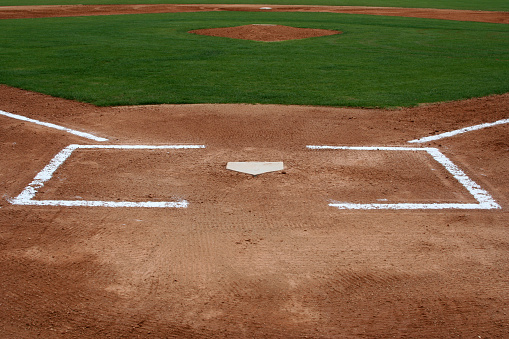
260 32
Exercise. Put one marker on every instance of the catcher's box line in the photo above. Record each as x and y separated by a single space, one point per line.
483 197
459 131
27 196
54 126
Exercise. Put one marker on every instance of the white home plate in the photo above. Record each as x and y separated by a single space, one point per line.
255 168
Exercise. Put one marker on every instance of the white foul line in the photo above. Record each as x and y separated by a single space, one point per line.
27 196
48 124
459 131
483 197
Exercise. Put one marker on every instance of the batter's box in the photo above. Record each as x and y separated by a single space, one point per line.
483 198
27 197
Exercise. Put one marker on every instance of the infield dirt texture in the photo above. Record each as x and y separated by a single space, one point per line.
252 257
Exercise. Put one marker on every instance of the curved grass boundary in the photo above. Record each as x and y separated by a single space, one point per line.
152 59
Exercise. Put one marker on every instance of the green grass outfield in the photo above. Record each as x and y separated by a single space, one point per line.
150 58
487 5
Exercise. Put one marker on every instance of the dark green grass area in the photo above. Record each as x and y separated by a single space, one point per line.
149 59
487 5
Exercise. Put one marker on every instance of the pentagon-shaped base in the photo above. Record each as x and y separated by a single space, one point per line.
254 167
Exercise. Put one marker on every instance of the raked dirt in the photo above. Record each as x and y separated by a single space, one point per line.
261 256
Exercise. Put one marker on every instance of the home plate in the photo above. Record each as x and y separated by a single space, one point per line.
254 167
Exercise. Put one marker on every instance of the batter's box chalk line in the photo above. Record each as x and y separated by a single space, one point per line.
27 197
485 201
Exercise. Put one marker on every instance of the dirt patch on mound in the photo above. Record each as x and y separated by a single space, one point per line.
261 32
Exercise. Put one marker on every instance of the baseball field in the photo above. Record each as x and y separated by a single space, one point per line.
119 219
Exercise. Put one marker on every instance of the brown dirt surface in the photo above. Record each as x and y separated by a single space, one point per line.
18 12
251 256
259 32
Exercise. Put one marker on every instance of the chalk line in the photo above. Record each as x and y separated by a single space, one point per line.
50 125
484 199
459 131
27 196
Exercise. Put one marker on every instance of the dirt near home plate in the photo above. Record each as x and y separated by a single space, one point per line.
255 257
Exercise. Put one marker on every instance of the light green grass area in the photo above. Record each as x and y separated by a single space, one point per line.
150 58
487 5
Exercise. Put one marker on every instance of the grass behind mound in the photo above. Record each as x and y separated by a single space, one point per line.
150 59
487 5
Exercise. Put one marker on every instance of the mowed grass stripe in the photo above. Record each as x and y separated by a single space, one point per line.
151 59
487 5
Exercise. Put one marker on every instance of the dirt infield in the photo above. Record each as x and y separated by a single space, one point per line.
252 257
18 12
